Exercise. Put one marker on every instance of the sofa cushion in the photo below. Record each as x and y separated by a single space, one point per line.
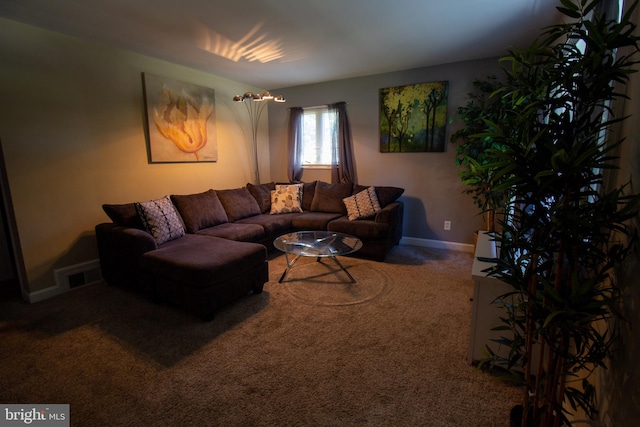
238 203
364 229
385 195
286 199
308 191
202 261
273 225
160 219
328 197
362 205
313 220
262 194
124 215
235 231
200 210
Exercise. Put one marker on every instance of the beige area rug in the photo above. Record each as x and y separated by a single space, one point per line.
390 350
325 283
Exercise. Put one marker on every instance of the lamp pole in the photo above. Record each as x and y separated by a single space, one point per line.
255 104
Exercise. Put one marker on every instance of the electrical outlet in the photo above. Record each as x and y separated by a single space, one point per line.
447 225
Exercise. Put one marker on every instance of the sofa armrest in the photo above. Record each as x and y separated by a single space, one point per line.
393 214
389 213
120 249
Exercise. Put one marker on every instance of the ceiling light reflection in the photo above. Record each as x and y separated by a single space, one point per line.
252 47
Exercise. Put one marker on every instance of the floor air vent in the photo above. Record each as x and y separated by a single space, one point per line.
77 275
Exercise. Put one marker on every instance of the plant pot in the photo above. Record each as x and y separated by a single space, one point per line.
475 241
515 417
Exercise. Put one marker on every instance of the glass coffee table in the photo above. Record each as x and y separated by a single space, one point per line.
318 244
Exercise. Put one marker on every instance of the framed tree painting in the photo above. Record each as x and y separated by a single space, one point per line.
180 121
413 118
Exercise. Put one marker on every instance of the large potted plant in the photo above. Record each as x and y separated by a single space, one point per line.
475 147
565 227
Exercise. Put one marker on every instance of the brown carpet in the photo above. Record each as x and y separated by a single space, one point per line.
316 350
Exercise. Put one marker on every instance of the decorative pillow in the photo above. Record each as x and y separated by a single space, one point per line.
238 203
160 219
298 187
200 210
262 194
328 197
285 199
362 205
385 195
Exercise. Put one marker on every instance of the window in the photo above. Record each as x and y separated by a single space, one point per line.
318 129
320 137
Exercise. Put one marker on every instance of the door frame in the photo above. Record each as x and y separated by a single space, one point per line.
12 230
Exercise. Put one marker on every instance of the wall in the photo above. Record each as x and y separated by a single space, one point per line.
433 192
72 128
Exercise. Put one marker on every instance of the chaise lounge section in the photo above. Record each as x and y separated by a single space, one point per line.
203 251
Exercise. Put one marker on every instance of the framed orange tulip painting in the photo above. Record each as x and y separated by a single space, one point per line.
180 121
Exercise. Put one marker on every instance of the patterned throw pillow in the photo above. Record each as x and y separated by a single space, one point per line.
160 219
362 205
285 199
298 187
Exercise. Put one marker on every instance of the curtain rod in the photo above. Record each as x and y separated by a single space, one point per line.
319 106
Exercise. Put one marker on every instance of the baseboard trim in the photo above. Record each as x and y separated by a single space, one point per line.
438 244
46 293
53 291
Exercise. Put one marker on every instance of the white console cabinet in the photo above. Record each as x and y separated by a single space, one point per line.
485 313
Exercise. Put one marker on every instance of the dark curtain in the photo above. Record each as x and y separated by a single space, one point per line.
295 144
343 168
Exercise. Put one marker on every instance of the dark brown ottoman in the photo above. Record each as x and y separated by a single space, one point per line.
202 273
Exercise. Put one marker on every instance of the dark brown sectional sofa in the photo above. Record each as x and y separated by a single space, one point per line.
221 252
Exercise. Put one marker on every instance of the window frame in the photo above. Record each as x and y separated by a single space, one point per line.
319 111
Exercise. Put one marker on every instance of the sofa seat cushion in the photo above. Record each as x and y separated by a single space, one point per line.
235 231
200 210
203 261
273 225
313 220
361 228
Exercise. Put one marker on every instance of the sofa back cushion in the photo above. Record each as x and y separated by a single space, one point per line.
308 191
124 215
198 211
262 194
238 203
385 195
328 197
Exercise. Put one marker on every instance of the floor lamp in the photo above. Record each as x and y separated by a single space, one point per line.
255 104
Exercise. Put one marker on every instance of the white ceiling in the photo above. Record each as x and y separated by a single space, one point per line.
279 43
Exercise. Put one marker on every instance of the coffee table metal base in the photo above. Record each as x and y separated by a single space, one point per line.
318 259
316 244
